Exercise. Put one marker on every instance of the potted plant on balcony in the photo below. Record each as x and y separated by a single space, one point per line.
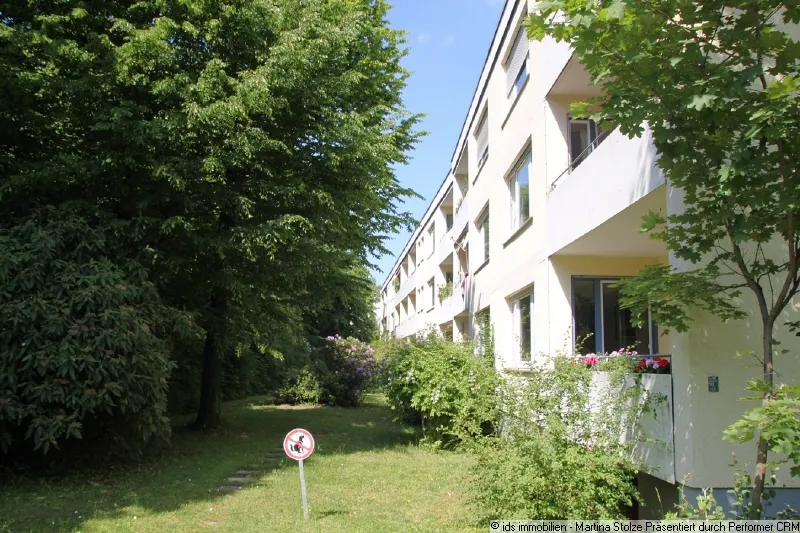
445 291
627 359
458 204
396 284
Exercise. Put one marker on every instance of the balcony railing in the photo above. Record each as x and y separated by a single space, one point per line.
654 436
576 161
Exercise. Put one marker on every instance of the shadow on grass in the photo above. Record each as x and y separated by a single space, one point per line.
196 464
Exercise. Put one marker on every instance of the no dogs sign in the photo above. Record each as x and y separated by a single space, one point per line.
298 444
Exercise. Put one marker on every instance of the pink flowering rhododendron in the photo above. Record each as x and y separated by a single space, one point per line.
349 364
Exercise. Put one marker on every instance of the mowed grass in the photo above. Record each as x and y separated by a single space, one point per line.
366 474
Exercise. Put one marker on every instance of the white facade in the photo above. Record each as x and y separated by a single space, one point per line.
546 280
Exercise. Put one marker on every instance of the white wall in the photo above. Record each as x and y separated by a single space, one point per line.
713 348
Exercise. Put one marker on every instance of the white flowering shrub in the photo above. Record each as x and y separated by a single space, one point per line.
444 386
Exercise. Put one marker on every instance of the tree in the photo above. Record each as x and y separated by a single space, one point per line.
717 82
241 150
349 311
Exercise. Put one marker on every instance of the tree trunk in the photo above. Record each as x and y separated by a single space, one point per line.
208 414
759 479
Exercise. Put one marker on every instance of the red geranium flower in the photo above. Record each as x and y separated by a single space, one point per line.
662 363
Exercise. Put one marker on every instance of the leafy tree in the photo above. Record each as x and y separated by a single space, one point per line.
85 351
717 82
349 311
241 150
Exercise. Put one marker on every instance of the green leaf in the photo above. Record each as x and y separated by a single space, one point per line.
700 102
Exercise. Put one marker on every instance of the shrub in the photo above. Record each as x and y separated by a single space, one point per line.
85 354
560 456
342 372
446 386
445 291
301 388
347 366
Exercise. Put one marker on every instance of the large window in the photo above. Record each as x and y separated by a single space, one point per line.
432 238
517 65
519 189
483 231
482 139
602 325
522 327
431 295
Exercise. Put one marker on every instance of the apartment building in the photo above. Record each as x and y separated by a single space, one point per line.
536 220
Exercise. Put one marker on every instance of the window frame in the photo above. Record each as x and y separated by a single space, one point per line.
522 73
599 341
481 340
485 237
512 182
483 124
515 304
430 286
593 135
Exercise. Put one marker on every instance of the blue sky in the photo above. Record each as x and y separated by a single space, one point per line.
447 41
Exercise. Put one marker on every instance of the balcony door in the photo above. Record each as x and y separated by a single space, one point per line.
582 137
600 324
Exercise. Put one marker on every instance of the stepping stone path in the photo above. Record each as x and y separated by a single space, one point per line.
273 460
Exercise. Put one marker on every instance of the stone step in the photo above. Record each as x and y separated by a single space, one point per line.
229 488
243 480
248 472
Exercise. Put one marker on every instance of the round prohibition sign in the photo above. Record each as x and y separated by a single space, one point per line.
298 444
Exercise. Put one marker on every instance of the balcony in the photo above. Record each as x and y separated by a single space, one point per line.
410 326
608 188
655 448
460 219
408 285
457 304
444 249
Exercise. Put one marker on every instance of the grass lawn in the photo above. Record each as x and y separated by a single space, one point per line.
365 475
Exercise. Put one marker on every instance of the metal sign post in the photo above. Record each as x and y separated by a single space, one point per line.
299 445
303 490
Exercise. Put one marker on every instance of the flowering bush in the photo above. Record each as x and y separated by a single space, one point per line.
444 386
347 366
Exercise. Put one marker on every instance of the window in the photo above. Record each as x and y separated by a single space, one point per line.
522 328
583 139
602 325
432 238
482 139
519 189
448 221
517 65
483 231
430 294
483 336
